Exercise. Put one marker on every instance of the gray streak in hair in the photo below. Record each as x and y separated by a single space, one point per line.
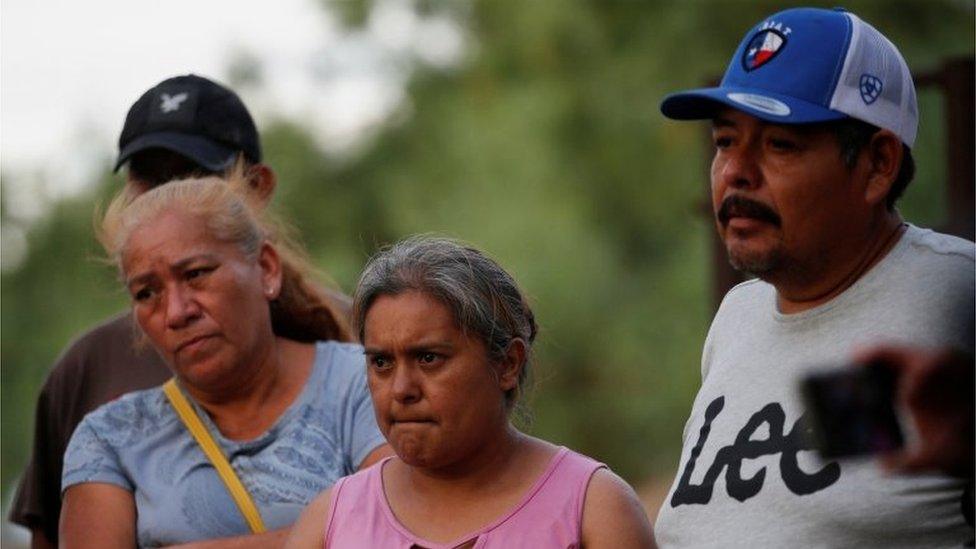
485 300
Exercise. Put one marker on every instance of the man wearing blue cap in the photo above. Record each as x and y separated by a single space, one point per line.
813 126
184 126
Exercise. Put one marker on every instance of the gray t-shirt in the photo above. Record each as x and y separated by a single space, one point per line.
138 443
747 477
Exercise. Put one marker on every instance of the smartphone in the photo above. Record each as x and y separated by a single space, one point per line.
851 411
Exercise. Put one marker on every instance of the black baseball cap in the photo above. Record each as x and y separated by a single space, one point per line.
194 117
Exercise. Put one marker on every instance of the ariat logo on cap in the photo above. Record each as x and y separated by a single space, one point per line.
870 88
763 48
172 103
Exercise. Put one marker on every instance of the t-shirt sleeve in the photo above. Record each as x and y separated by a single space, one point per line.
360 432
90 459
38 494
38 500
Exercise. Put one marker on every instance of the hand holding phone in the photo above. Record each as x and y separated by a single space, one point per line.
851 410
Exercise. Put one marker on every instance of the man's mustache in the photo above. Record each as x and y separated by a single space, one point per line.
740 206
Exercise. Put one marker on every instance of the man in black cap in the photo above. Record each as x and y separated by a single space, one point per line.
184 126
188 125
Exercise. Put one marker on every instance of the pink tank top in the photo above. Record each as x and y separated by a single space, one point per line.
549 516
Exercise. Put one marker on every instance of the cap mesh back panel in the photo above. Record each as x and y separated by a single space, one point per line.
872 55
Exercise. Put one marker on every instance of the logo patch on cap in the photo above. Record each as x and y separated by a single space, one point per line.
870 88
171 103
761 103
763 47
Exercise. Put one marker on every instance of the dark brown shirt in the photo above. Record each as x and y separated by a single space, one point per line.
101 365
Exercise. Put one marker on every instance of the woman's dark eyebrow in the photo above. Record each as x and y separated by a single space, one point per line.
178 266
413 349
138 279
427 347
184 263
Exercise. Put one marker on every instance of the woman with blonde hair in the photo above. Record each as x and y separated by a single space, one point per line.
448 336
268 405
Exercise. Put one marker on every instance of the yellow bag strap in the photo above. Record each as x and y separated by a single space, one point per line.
210 448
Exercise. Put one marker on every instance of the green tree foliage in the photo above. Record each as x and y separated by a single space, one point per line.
544 148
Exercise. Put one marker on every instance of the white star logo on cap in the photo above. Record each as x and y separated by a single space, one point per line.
172 103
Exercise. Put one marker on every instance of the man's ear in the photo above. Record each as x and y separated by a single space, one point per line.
511 365
263 180
271 271
884 156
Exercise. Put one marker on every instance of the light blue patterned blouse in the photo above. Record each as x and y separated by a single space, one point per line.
137 442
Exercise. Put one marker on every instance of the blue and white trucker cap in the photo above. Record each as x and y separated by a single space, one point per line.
808 65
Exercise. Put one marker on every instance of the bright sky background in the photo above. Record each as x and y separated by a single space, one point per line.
69 70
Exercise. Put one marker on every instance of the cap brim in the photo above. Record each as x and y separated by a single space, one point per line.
210 155
705 103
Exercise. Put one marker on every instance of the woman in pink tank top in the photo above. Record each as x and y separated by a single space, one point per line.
448 336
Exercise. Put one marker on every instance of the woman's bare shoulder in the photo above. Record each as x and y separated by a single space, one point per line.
613 515
309 530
